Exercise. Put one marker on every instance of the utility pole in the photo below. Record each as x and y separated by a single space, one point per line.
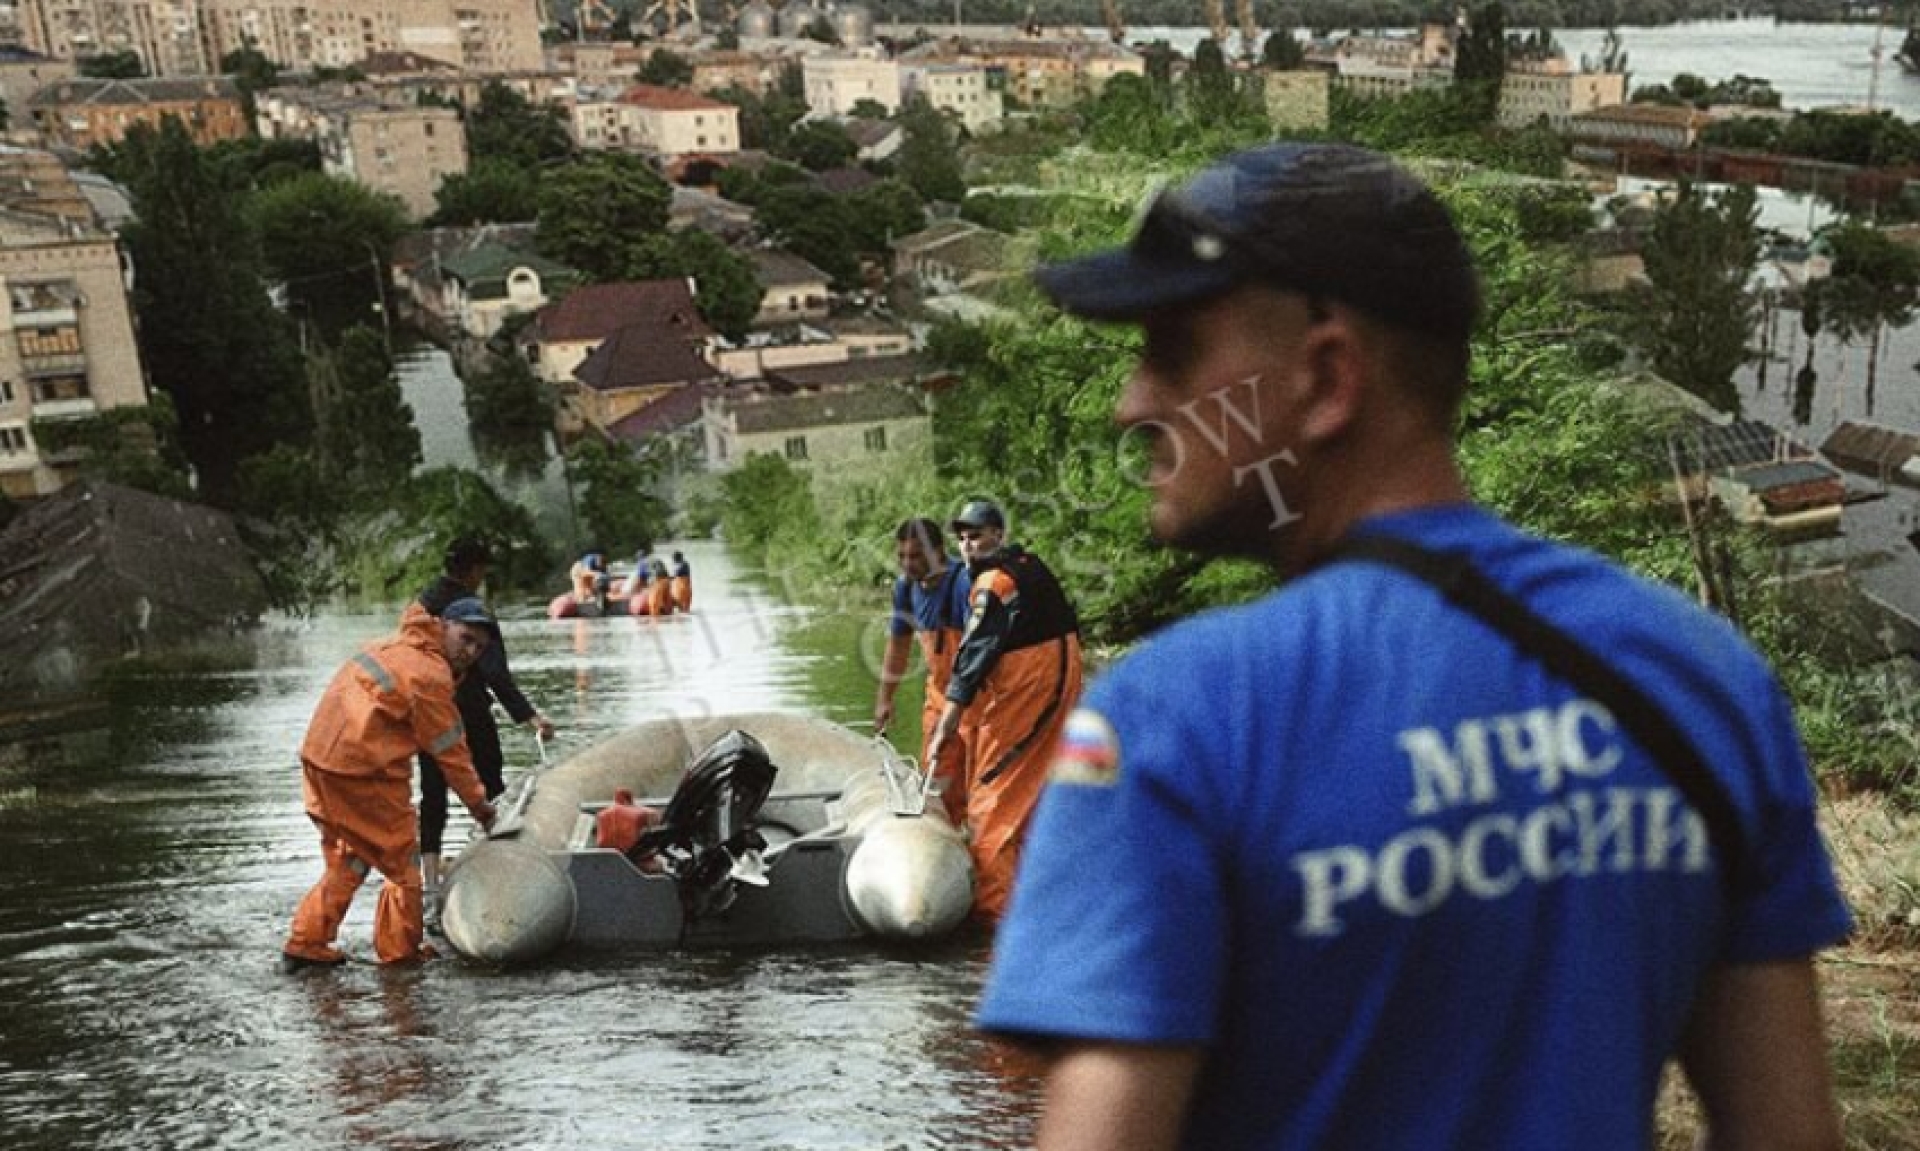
380 291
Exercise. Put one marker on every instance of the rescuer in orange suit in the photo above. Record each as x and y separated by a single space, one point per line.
620 824
660 601
1014 680
392 701
929 603
682 583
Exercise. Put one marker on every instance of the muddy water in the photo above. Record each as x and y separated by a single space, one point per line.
146 878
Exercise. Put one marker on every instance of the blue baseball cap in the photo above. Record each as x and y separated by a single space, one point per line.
1328 220
469 610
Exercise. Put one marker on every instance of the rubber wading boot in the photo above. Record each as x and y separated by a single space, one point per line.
291 963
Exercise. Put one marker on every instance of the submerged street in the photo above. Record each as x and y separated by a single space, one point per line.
146 881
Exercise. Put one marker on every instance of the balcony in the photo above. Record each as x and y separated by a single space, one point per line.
61 409
41 367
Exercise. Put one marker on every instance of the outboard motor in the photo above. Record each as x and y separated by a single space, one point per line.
706 840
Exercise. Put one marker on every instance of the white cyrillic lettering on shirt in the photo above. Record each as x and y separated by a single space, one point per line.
1331 877
1395 860
1444 777
1582 760
1475 876
1530 742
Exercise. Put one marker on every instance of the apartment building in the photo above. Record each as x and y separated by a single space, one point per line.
959 87
80 113
371 136
67 347
1552 92
835 83
188 37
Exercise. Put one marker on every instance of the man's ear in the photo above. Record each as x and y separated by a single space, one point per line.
1335 360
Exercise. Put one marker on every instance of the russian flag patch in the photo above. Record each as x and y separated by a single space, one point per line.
1088 753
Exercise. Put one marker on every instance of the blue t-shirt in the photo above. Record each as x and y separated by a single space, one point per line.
929 609
1407 889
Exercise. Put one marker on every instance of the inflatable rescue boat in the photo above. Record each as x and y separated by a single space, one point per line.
775 829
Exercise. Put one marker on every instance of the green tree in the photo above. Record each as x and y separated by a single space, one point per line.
135 445
615 497
814 225
764 497
819 145
1480 58
822 30
252 73
208 334
488 192
510 413
504 125
1694 315
252 163
929 157
867 108
725 288
667 68
589 206
1875 285
1211 88
122 65
367 440
883 213
766 119
1282 52
327 238
1132 114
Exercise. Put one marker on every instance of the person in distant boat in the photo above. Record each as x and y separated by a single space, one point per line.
464 570
682 583
1015 678
930 604
386 705
1459 836
588 578
642 574
659 590
620 824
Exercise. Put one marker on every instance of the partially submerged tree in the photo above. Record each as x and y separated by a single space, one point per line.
1695 314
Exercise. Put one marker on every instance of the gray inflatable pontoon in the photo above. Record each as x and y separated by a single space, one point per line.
841 840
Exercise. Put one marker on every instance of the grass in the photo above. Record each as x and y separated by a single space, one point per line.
1870 989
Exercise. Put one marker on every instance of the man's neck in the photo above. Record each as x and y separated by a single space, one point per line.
1426 477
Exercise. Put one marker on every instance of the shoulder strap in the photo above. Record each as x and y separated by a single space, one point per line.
1467 588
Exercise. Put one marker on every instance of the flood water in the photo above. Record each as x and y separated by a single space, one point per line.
144 894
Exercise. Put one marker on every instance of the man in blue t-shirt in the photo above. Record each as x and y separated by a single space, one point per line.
1348 867
930 602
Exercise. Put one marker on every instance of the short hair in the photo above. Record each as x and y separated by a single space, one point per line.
465 553
922 529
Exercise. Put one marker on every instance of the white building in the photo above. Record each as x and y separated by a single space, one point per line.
834 84
959 88
673 121
1553 92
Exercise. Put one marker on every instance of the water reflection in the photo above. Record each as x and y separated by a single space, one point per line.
146 892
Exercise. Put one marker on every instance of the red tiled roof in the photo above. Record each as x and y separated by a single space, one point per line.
670 99
599 310
643 355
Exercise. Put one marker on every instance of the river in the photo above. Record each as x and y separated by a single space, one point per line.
146 893
148 871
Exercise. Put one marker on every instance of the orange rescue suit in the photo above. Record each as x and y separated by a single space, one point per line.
389 703
1017 674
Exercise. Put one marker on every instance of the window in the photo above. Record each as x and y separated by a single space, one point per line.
877 439
13 440
6 391
428 129
60 388
796 447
